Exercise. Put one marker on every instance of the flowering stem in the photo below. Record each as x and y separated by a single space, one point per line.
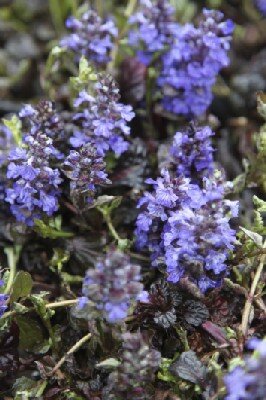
12 254
70 351
249 301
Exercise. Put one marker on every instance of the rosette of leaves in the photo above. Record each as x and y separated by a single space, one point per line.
167 308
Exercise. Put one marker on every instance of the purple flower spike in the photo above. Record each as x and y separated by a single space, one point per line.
112 285
155 28
193 62
192 152
91 37
186 227
101 119
85 169
35 187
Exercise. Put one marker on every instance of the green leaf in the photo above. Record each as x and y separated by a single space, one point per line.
111 203
39 304
22 286
255 237
27 389
30 333
262 104
50 231
14 124
60 257
259 204
85 77
109 363
164 374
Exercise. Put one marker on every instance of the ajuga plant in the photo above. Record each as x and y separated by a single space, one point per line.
247 381
163 277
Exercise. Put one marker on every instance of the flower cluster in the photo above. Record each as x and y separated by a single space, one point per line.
248 382
35 187
261 6
85 169
192 151
154 28
130 381
191 65
111 285
91 37
101 119
187 228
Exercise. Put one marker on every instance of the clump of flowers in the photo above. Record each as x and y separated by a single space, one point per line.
112 285
191 65
85 169
35 183
248 381
261 6
187 228
192 152
136 372
155 28
91 37
101 119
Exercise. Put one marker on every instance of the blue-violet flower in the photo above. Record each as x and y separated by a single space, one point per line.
248 382
35 187
186 227
3 300
193 62
261 6
154 28
85 169
91 37
192 152
101 119
112 285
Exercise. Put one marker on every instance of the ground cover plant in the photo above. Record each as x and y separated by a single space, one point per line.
133 167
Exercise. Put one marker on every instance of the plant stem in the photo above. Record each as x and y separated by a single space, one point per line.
249 301
99 7
110 225
64 303
70 351
131 5
122 243
12 259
